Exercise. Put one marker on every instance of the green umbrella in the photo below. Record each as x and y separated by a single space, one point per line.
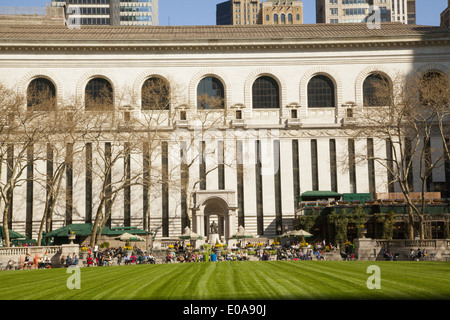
242 233
300 233
287 234
188 234
129 237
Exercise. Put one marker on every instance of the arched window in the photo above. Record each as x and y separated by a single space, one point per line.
321 92
298 17
99 95
283 18
376 91
210 94
266 93
41 95
433 89
290 17
267 17
155 94
275 18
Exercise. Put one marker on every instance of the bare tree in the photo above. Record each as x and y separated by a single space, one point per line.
201 146
397 113
60 146
20 128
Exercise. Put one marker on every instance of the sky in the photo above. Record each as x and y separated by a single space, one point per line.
187 12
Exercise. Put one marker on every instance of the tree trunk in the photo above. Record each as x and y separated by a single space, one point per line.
97 222
6 242
410 224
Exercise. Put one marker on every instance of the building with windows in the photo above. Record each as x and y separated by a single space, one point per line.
282 12
238 12
32 15
110 12
357 11
163 128
445 17
241 12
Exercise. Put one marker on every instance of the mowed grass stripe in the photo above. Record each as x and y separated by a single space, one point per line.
325 278
271 285
262 276
309 285
234 280
409 281
148 282
30 284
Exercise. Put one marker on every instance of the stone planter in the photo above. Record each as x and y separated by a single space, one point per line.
72 237
363 233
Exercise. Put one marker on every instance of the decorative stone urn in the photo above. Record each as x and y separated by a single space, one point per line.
72 237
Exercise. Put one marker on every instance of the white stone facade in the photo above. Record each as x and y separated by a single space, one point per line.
184 63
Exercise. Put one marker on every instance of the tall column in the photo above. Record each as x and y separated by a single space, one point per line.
305 165
323 158
395 10
362 169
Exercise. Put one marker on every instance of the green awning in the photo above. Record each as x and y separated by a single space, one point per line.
24 241
12 234
80 229
85 229
113 231
318 195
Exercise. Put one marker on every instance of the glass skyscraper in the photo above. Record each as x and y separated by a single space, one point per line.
110 12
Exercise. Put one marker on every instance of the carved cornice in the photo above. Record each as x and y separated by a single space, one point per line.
84 47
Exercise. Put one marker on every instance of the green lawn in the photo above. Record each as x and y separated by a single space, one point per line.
234 280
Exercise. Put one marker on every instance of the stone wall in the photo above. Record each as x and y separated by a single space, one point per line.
17 254
373 249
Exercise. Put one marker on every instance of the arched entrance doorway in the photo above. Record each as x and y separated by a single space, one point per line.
215 211
217 207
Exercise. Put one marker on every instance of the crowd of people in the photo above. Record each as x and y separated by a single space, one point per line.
69 260
118 256
419 255
238 252
294 251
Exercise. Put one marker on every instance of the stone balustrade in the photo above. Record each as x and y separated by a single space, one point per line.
53 252
373 249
